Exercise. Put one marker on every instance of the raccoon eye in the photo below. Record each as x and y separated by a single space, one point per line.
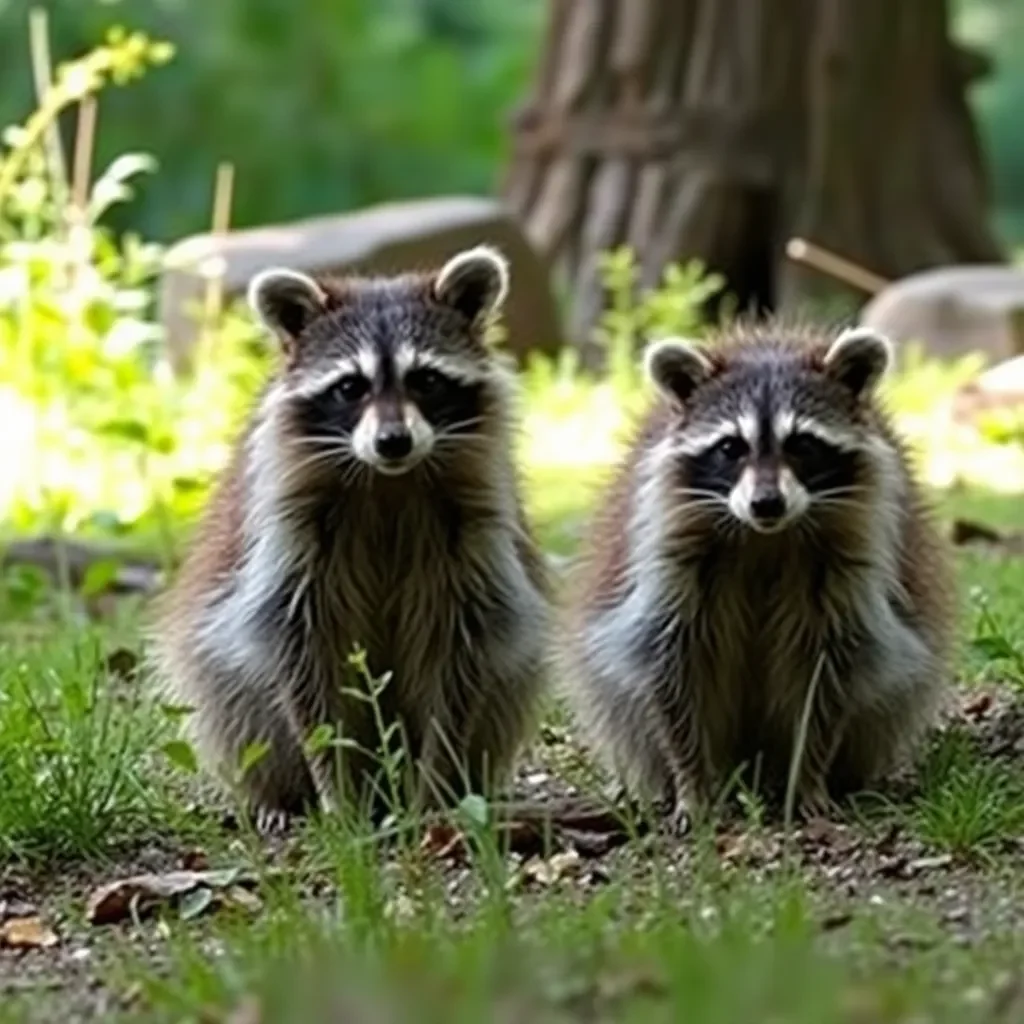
732 448
351 387
805 447
425 381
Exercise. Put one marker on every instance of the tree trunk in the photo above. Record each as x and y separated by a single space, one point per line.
895 179
717 129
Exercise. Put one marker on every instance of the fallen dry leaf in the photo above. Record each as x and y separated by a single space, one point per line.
142 894
444 841
27 933
978 706
748 848
556 867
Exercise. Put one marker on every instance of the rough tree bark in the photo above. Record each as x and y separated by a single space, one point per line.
719 128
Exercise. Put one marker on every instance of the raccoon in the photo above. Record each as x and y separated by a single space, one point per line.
763 540
372 501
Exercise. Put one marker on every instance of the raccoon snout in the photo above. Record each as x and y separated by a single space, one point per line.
766 500
393 442
768 505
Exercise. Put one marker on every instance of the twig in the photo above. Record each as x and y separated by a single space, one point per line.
222 195
85 136
799 745
42 75
799 250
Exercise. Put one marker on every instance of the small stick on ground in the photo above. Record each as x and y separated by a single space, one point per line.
799 250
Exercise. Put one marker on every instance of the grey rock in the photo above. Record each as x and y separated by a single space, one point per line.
385 239
953 311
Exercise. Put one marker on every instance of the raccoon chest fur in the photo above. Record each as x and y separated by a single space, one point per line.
406 590
750 645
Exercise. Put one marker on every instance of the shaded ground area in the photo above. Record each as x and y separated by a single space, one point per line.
909 908
936 870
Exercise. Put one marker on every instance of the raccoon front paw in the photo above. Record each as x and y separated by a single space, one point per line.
682 809
680 819
815 803
270 821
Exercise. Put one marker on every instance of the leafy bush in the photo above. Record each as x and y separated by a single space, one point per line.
100 432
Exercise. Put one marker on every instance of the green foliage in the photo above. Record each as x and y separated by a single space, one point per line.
101 435
634 317
361 100
993 642
75 745
969 803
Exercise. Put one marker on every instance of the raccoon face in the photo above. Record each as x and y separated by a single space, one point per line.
386 373
772 434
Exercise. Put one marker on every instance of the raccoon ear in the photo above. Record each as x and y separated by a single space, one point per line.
676 367
286 301
859 358
475 282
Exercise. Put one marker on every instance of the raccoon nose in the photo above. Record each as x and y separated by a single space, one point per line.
768 505
393 442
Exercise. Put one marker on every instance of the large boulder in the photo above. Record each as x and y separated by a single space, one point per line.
385 239
955 310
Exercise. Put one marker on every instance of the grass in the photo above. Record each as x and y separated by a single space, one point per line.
817 931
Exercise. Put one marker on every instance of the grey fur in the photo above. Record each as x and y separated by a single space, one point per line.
433 573
693 640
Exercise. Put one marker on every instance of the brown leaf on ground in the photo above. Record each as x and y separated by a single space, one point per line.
27 933
443 841
748 848
530 828
142 894
978 706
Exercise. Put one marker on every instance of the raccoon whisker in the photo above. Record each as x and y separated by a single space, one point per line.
472 421
838 503
336 456
716 502
318 439
460 440
836 492
703 504
698 492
